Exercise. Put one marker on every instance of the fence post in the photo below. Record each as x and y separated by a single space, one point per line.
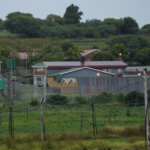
59 116
109 116
81 121
42 122
27 111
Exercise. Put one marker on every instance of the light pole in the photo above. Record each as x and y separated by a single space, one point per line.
146 107
145 77
120 54
0 68
26 63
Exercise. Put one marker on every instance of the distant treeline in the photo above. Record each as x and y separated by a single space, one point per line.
69 26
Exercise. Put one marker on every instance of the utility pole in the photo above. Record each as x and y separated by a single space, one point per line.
11 94
42 121
146 107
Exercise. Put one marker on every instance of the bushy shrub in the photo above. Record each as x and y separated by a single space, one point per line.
120 97
34 102
10 143
80 100
134 99
133 131
57 100
104 97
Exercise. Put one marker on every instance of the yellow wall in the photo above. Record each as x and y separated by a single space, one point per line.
66 88
51 82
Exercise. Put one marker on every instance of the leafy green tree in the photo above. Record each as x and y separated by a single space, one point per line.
120 52
73 54
47 53
118 23
52 20
12 21
143 56
93 22
103 56
70 51
132 54
6 53
66 45
1 25
147 26
23 24
27 26
130 26
72 14
105 30
130 41
146 29
34 59
52 53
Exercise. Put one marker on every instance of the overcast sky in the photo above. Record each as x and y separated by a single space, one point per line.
98 9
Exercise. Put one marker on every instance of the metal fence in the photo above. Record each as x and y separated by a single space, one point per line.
85 86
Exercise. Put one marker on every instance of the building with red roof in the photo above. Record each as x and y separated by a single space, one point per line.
88 54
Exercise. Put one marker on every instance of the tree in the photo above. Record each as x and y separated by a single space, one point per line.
66 45
132 54
70 51
93 22
118 23
130 26
1 25
105 30
72 14
27 26
119 51
73 54
143 56
51 53
103 56
146 29
23 24
12 20
130 41
7 53
52 20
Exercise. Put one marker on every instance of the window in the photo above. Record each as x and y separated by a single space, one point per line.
39 69
119 70
39 80
105 70
110 70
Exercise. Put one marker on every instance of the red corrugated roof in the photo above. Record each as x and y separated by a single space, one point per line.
86 52
25 55
92 64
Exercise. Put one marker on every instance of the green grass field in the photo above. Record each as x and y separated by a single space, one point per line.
119 128
68 118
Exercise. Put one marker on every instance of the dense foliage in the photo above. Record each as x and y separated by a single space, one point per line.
131 99
57 100
119 39
68 26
